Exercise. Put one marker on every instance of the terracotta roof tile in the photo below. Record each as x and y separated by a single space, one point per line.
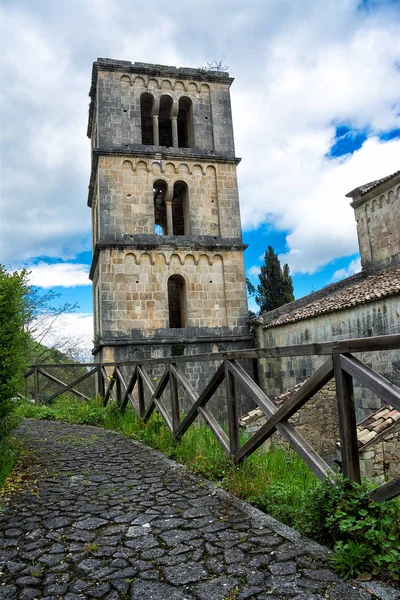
369 289
381 420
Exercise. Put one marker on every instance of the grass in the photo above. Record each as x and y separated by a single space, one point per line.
9 450
277 481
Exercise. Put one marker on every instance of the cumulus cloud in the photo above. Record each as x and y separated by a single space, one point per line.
59 275
71 333
254 271
301 69
354 267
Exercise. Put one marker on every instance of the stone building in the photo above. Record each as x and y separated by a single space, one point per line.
365 304
167 269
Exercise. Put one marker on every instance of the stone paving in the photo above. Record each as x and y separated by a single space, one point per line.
102 516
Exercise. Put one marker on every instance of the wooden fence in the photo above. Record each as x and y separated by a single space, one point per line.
340 364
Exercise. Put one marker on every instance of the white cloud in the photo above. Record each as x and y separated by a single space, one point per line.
59 275
300 69
354 267
253 271
71 333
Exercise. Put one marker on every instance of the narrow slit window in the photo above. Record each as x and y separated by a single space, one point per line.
164 122
180 209
176 302
160 209
146 114
185 123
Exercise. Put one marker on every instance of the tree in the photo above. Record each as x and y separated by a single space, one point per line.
276 287
287 284
13 338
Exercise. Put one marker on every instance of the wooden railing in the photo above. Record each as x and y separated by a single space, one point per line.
340 365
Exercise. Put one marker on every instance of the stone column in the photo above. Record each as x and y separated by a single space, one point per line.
156 137
170 228
155 113
174 122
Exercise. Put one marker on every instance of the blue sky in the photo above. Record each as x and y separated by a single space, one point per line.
316 111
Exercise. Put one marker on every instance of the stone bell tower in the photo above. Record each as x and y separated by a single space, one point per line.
167 268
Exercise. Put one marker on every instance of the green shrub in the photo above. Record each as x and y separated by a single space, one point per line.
365 535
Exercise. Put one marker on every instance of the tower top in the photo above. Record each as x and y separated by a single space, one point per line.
126 66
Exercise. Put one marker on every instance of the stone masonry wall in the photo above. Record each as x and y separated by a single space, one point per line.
378 228
134 290
119 118
126 199
380 458
376 318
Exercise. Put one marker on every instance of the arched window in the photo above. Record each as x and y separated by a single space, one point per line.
146 114
160 209
164 121
176 302
180 209
185 123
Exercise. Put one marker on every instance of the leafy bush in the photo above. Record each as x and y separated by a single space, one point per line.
365 535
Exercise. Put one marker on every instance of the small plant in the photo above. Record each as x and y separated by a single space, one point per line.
91 547
215 65
365 535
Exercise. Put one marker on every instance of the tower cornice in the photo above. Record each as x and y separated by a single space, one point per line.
146 243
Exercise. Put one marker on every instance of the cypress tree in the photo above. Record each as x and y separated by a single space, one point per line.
287 284
275 287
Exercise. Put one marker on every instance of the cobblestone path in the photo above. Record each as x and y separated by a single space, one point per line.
105 517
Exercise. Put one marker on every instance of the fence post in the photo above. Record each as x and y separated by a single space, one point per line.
36 391
100 382
141 399
347 421
174 401
233 422
26 386
118 388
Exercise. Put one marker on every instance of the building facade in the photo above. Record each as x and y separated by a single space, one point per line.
363 305
167 266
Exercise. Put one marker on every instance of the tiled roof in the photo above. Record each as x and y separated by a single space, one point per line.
364 189
257 417
381 420
369 289
377 423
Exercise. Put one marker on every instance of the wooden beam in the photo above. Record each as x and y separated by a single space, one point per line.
100 381
369 344
317 465
118 385
185 383
202 399
387 491
128 390
290 407
347 421
141 397
233 421
379 385
216 428
36 393
65 386
164 413
149 384
173 386
109 387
